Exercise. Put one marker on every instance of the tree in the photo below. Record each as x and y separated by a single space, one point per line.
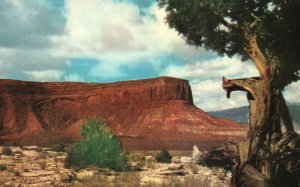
164 157
267 32
99 148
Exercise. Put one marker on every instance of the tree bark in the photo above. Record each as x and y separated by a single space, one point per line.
266 106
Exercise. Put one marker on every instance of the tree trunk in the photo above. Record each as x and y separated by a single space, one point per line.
266 106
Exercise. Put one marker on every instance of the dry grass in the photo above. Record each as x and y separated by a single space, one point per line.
123 180
132 179
189 181
6 151
136 156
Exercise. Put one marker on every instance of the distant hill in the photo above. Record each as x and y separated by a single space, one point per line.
240 114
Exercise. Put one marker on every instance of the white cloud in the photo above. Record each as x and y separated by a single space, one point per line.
39 36
209 95
114 31
46 75
292 92
29 24
73 78
206 80
214 68
106 71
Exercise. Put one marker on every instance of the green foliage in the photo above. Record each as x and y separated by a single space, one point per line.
228 27
17 174
2 167
164 157
6 151
99 148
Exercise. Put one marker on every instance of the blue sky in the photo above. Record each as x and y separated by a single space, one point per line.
108 41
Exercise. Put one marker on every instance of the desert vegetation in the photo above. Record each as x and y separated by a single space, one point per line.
32 165
99 148
6 150
164 156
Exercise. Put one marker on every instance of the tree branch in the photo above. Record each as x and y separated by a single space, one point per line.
285 115
230 25
247 84
257 57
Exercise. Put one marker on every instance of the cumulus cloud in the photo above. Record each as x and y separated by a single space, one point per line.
29 24
39 36
209 95
292 93
74 77
213 68
105 70
117 32
206 79
28 29
49 75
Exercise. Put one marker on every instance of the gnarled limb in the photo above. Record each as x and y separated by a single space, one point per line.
255 54
247 84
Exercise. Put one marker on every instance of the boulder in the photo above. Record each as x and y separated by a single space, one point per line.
174 167
191 168
149 158
186 159
84 174
196 154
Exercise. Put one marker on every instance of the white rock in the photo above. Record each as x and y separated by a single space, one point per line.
33 147
149 158
30 153
176 160
196 154
186 159
175 167
84 174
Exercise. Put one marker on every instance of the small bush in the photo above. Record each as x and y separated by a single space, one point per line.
6 151
99 148
17 174
2 167
43 165
164 157
59 148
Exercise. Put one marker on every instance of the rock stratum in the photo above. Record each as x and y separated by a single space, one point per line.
143 114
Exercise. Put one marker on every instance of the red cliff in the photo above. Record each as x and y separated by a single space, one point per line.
150 113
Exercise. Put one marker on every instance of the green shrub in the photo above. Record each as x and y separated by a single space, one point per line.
164 157
17 174
99 148
2 167
6 151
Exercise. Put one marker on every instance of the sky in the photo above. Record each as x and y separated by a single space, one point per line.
112 40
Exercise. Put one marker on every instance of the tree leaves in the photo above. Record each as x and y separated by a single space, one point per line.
226 27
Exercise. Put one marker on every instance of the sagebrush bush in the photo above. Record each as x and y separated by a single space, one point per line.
3 167
99 148
164 157
6 150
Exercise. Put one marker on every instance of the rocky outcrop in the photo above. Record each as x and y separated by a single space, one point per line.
39 166
155 110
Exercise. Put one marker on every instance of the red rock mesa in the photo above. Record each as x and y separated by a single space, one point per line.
145 114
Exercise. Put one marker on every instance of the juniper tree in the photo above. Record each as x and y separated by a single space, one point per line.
266 32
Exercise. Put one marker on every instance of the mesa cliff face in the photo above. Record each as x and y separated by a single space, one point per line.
141 113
